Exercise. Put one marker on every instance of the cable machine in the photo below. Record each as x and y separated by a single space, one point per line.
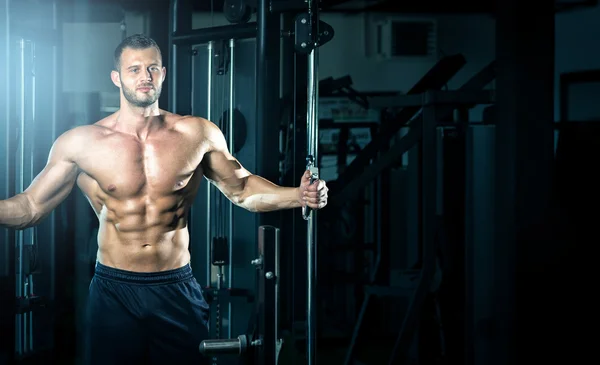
308 34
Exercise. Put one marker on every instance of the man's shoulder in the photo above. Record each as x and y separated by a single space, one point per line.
199 130
183 118
188 123
84 132
72 141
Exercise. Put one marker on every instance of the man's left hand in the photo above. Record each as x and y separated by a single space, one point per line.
313 195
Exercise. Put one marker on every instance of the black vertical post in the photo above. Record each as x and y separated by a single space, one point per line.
180 59
267 292
452 246
290 178
267 99
524 153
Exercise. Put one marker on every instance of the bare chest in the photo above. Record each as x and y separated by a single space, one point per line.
124 167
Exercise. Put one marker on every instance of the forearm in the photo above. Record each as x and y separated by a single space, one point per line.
261 195
16 212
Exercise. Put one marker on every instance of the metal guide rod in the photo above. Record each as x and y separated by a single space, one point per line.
52 218
230 138
21 320
312 155
31 175
277 268
208 186
24 238
5 54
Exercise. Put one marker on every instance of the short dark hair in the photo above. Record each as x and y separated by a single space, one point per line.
136 41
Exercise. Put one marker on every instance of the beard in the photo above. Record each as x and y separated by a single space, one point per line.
144 100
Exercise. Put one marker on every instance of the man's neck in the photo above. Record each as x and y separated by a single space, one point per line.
136 120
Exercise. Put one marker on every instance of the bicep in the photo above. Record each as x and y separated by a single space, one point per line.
223 169
219 166
52 185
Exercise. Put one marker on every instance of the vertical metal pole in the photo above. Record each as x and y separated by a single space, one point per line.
30 177
4 268
231 146
208 185
311 245
20 188
277 278
54 136
192 90
311 216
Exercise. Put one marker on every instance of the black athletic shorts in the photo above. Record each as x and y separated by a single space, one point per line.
145 318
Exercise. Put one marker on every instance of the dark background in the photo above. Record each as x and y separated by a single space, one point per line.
462 222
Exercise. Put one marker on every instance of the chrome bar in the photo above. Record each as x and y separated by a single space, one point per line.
30 178
309 215
231 150
208 185
54 118
20 188
8 136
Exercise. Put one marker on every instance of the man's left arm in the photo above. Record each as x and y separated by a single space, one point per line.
250 191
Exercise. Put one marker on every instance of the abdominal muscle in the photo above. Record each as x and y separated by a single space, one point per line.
131 243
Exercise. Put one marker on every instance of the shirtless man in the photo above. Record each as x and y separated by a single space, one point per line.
140 169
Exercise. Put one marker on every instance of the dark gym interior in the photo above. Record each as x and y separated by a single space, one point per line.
455 139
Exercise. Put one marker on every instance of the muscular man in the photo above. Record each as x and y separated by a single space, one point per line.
140 169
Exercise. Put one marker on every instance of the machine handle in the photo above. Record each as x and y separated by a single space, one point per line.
314 175
237 346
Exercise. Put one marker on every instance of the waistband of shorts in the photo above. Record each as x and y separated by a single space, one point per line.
149 278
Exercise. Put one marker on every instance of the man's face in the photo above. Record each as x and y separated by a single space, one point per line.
141 76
